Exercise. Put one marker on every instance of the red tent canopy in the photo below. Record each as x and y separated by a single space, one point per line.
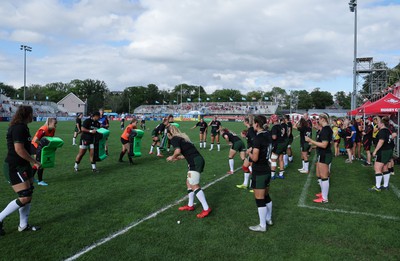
387 104
359 110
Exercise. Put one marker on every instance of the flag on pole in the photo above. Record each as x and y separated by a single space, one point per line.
188 99
174 101
266 98
199 99
230 99
243 98
157 102
208 99
253 98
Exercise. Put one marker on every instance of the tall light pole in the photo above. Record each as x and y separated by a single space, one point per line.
353 9
25 48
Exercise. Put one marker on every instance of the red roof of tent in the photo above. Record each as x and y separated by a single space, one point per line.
359 110
387 104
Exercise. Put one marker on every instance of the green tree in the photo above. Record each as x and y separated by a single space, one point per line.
343 99
321 99
7 90
92 91
226 95
305 100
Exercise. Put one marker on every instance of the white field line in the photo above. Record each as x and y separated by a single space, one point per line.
136 223
303 195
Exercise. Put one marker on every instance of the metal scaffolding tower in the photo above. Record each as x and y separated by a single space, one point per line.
376 74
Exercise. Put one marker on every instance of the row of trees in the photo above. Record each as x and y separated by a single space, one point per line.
97 95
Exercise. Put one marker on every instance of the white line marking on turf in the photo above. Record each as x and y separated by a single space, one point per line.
136 223
303 195
395 190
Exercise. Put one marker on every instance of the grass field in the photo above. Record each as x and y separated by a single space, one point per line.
130 212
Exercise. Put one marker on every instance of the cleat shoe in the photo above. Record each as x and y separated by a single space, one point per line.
186 208
229 172
320 200
304 171
273 177
76 169
241 186
120 160
366 164
319 195
374 189
2 232
204 213
28 228
392 173
270 223
150 153
95 171
348 161
300 170
160 155
281 177
42 183
384 188
258 228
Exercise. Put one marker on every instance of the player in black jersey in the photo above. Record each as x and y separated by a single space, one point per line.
78 125
18 170
216 127
367 140
261 175
184 149
278 146
305 131
289 132
159 130
203 132
249 134
324 153
89 129
237 145
383 152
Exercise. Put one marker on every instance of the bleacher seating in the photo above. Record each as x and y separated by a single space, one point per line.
220 108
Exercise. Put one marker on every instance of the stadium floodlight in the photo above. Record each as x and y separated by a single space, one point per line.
353 9
25 48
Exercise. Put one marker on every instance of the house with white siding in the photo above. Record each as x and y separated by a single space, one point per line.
72 104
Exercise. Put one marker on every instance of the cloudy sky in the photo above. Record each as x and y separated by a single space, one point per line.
237 44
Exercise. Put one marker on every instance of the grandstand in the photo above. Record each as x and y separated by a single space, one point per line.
40 108
211 108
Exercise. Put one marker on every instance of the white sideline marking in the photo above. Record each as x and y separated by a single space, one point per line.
303 195
134 224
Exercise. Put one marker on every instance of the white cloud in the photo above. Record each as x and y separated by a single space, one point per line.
243 44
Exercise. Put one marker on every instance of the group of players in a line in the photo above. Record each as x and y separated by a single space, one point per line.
266 147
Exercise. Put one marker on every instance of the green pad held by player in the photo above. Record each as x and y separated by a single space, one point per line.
102 139
48 150
135 141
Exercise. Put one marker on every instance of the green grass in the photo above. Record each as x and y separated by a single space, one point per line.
79 209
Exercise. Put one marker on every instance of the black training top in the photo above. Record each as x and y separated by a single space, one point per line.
79 122
251 134
325 134
18 133
231 137
262 142
304 131
89 124
384 134
188 150
215 125
203 125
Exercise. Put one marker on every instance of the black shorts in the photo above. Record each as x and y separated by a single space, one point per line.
305 147
348 144
260 181
367 144
384 156
87 142
124 141
325 158
17 174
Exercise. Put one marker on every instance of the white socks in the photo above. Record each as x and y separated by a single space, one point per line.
262 214
231 164
202 198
